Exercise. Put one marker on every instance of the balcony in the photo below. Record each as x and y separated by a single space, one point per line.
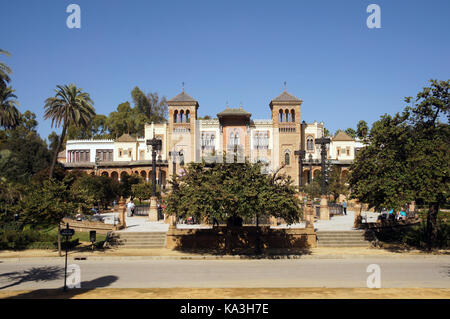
181 127
287 128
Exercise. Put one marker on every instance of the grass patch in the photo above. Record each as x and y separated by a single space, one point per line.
27 238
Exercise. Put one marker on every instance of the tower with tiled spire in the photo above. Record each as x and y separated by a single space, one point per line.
182 125
285 114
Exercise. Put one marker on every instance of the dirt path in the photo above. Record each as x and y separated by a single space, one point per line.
236 293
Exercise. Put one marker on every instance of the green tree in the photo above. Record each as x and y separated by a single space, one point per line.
97 129
48 205
154 108
9 115
22 151
102 189
143 190
407 157
70 106
126 184
229 191
336 185
5 71
362 129
351 132
126 120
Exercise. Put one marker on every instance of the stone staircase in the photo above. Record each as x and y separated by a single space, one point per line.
350 238
138 239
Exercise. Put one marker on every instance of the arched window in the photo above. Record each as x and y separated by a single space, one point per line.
188 116
237 140
287 158
181 158
286 114
292 116
310 144
231 141
175 116
181 116
280 116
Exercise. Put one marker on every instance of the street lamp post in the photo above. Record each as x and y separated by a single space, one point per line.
310 168
301 155
324 212
174 155
159 171
156 145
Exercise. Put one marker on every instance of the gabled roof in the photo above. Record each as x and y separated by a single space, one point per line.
234 111
286 97
182 97
342 136
126 138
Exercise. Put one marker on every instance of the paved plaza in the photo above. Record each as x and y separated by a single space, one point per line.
336 223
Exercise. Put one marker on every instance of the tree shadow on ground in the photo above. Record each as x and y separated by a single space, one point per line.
244 241
399 238
86 286
35 274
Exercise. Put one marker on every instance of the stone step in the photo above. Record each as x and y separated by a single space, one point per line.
141 246
342 235
343 245
140 239
129 242
343 241
140 234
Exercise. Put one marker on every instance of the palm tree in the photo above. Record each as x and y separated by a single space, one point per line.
4 72
70 106
9 115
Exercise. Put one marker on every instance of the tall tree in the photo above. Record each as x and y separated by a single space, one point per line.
9 115
5 71
362 129
25 152
407 157
428 116
154 108
350 132
229 190
70 106
98 129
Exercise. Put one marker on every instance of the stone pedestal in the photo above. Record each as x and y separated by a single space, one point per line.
309 214
324 212
273 221
412 206
122 214
357 221
172 220
153 213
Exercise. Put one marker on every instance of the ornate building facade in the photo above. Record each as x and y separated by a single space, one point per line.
185 138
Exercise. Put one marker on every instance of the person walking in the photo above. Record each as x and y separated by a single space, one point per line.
344 204
133 208
129 206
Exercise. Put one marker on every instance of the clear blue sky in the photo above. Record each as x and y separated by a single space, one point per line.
240 51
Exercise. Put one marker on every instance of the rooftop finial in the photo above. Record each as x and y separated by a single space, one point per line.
285 85
182 85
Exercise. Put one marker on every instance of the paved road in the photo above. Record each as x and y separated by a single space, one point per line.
405 272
